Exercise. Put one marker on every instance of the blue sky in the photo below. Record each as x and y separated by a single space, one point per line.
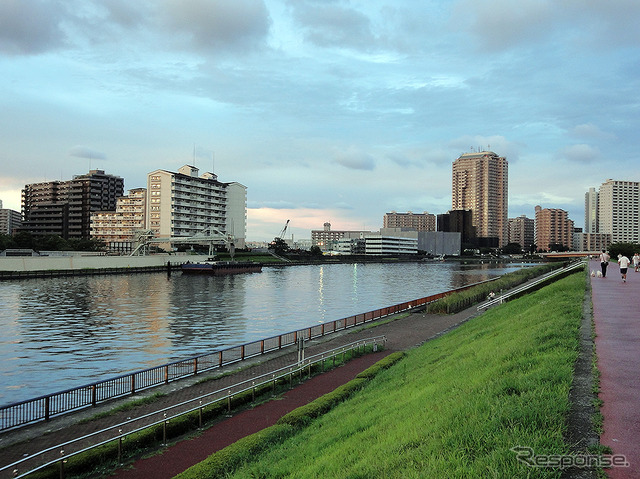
327 110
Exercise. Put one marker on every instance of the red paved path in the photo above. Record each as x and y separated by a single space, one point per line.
616 312
184 454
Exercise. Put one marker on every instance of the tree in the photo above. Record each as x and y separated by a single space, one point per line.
625 249
512 248
279 246
315 251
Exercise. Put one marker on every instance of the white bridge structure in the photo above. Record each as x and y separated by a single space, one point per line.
210 235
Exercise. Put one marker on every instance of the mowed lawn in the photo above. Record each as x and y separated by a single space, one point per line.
455 406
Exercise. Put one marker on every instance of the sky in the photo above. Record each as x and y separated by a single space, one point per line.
327 110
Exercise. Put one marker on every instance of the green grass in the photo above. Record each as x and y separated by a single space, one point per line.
452 408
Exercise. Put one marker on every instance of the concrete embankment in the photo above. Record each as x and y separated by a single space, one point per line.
46 266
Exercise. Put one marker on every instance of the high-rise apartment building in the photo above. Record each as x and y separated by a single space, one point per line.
553 227
64 208
480 184
118 228
619 210
184 203
9 220
418 221
591 211
522 231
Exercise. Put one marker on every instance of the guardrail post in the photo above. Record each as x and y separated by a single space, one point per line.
62 463
164 430
195 366
262 346
120 447
242 352
200 415
220 359
47 402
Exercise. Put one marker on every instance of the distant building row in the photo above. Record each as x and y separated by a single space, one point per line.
180 203
389 240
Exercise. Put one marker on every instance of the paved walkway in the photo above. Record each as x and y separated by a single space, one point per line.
401 334
616 311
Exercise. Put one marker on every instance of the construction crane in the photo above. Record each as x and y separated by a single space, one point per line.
284 230
278 245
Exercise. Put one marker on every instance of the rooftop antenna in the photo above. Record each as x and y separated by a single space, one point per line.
194 154
213 162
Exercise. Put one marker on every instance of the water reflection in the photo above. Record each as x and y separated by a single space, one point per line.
64 332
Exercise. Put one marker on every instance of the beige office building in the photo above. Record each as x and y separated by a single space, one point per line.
522 231
553 227
118 228
418 221
480 184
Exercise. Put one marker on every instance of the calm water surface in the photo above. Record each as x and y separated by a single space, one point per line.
59 333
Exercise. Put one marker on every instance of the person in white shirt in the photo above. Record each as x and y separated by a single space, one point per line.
636 262
623 262
604 261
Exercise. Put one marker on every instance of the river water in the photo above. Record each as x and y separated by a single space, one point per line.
58 333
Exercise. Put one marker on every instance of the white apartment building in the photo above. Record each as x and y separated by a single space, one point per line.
184 203
9 220
619 210
118 228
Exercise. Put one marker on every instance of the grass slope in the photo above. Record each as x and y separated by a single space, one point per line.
454 407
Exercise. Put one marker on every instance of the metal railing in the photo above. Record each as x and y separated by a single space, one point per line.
60 453
501 298
51 405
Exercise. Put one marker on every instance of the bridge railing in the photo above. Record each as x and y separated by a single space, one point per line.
44 408
499 299
60 453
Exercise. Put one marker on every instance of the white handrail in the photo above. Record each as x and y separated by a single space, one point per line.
502 297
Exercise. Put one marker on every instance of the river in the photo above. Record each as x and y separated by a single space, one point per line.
59 333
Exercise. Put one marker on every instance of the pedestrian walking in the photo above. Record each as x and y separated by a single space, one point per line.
623 262
604 262
636 262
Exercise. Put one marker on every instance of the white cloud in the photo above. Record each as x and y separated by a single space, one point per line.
581 153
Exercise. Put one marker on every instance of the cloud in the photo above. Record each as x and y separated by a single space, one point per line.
29 28
80 151
503 24
355 160
331 25
218 25
581 153
589 131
